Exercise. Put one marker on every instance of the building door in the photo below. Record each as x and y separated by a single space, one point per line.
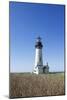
44 69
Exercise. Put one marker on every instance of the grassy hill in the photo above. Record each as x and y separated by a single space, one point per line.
30 85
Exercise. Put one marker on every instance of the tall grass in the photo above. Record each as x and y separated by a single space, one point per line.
28 85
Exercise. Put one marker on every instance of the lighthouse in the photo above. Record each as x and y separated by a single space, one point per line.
38 68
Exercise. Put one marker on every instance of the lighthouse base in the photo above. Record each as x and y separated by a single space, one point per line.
38 71
41 69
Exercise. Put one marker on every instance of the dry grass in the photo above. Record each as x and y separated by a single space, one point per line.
28 85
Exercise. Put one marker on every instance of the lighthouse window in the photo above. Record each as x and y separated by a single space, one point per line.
40 59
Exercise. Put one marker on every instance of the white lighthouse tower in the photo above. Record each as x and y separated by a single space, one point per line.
38 68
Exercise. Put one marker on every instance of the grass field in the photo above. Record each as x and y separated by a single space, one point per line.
30 85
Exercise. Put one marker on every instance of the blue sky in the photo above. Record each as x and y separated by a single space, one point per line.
27 22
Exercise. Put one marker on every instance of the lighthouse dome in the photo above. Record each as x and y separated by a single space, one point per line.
38 43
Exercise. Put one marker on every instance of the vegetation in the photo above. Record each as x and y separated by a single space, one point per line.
28 85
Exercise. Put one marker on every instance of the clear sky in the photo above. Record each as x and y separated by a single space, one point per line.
27 22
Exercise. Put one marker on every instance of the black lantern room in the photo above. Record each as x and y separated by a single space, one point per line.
38 43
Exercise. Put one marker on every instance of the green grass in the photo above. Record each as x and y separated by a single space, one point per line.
30 85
